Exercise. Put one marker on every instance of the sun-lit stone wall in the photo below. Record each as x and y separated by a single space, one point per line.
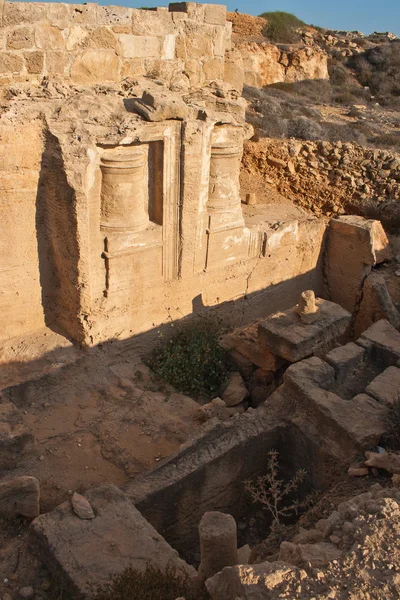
88 43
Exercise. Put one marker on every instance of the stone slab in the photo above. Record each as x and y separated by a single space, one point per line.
287 336
345 360
386 387
19 497
86 553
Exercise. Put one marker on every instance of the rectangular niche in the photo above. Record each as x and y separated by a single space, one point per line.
139 187
156 182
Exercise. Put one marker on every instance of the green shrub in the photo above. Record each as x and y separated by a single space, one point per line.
282 27
192 360
151 584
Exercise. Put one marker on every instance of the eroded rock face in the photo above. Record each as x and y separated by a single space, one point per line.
265 64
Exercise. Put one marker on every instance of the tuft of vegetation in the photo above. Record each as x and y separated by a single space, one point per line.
274 494
151 584
192 360
282 27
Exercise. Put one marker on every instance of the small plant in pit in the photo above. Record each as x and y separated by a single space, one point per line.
191 359
151 584
274 494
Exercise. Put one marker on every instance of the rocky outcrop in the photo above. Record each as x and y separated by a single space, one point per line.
265 63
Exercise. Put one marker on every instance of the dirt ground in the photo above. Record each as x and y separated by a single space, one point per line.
103 418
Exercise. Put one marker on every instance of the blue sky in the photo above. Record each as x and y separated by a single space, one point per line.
364 15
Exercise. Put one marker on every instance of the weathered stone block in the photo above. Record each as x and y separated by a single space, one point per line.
234 73
34 61
102 37
20 38
132 67
19 13
76 37
135 46
16 439
161 106
96 66
353 424
213 69
386 387
112 15
215 14
84 14
10 63
49 37
354 245
287 336
149 22
218 42
19 497
168 47
57 62
197 45
384 342
234 391
366 236
127 539
194 72
345 360
194 11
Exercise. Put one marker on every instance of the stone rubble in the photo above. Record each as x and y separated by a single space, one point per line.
358 558
330 178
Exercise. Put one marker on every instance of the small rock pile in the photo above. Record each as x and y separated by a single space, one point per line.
330 178
352 554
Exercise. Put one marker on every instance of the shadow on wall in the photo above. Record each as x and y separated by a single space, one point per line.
57 241
232 314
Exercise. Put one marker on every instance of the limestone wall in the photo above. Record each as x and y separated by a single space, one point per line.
87 43
20 291
119 177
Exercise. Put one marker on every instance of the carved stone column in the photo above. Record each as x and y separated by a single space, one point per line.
123 192
224 205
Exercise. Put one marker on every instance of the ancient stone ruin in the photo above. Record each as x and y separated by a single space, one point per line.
123 215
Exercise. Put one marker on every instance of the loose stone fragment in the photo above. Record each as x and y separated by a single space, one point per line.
82 507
